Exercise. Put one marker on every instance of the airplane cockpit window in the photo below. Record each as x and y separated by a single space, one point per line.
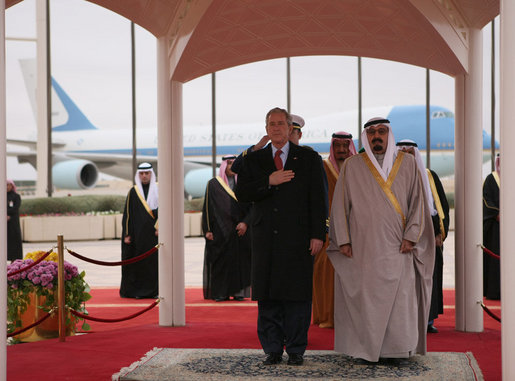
442 114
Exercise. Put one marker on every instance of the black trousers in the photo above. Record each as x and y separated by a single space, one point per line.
284 323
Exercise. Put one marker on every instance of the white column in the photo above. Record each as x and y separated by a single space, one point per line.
3 200
41 100
459 201
171 193
468 191
507 96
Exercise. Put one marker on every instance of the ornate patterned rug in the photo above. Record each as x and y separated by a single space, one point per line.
246 364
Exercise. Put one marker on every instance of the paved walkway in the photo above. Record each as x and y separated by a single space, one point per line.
110 251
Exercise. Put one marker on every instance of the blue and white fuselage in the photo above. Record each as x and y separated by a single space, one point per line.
80 149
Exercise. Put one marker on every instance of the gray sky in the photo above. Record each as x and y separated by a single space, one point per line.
91 61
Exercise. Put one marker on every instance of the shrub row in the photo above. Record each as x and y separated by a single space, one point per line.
87 204
73 205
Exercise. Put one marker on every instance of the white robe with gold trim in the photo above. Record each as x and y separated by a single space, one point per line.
382 296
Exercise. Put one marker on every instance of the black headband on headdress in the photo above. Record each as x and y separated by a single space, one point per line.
145 166
228 157
406 144
339 136
378 121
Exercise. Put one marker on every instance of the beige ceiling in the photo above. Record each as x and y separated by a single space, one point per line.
226 33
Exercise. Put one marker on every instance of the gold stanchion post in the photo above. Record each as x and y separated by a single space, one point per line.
60 288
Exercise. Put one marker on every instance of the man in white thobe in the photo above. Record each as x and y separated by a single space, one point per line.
382 249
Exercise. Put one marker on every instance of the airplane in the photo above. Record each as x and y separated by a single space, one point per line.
81 150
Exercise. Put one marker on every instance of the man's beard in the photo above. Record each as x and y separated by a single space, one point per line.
341 157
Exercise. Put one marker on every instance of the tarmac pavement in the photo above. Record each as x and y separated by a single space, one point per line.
110 251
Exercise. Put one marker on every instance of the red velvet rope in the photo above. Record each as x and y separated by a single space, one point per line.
31 265
87 317
490 253
119 263
29 326
490 313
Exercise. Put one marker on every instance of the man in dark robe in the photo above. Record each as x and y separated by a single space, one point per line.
227 251
286 184
14 244
139 235
491 236
440 215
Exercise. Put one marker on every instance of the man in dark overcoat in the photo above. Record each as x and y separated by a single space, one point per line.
286 184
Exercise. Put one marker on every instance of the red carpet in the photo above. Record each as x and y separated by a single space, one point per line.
111 346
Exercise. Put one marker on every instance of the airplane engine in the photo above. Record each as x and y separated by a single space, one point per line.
196 180
75 174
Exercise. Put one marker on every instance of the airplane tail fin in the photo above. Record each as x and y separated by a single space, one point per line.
66 116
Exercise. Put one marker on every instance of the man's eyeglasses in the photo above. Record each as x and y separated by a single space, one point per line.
380 130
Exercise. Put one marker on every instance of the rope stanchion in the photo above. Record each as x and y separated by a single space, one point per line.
40 259
490 313
101 320
490 253
119 263
31 325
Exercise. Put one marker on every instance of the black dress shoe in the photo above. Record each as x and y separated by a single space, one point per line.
221 299
273 358
359 361
431 329
238 298
399 362
295 359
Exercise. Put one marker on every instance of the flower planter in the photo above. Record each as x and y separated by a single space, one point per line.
32 286
85 228
48 329
47 228
195 224
109 223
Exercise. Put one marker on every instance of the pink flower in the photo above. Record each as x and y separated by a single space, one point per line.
46 278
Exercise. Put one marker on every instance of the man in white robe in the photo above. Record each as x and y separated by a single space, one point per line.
382 250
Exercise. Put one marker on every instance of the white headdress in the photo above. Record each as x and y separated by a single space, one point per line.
152 197
423 172
391 152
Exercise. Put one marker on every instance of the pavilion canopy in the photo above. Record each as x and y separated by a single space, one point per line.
208 36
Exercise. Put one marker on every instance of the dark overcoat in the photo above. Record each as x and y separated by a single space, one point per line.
284 219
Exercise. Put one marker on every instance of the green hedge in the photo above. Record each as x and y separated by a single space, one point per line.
87 204
107 203
450 199
72 205
194 205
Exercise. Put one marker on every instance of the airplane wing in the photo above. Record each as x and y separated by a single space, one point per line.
120 165
32 143
104 161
